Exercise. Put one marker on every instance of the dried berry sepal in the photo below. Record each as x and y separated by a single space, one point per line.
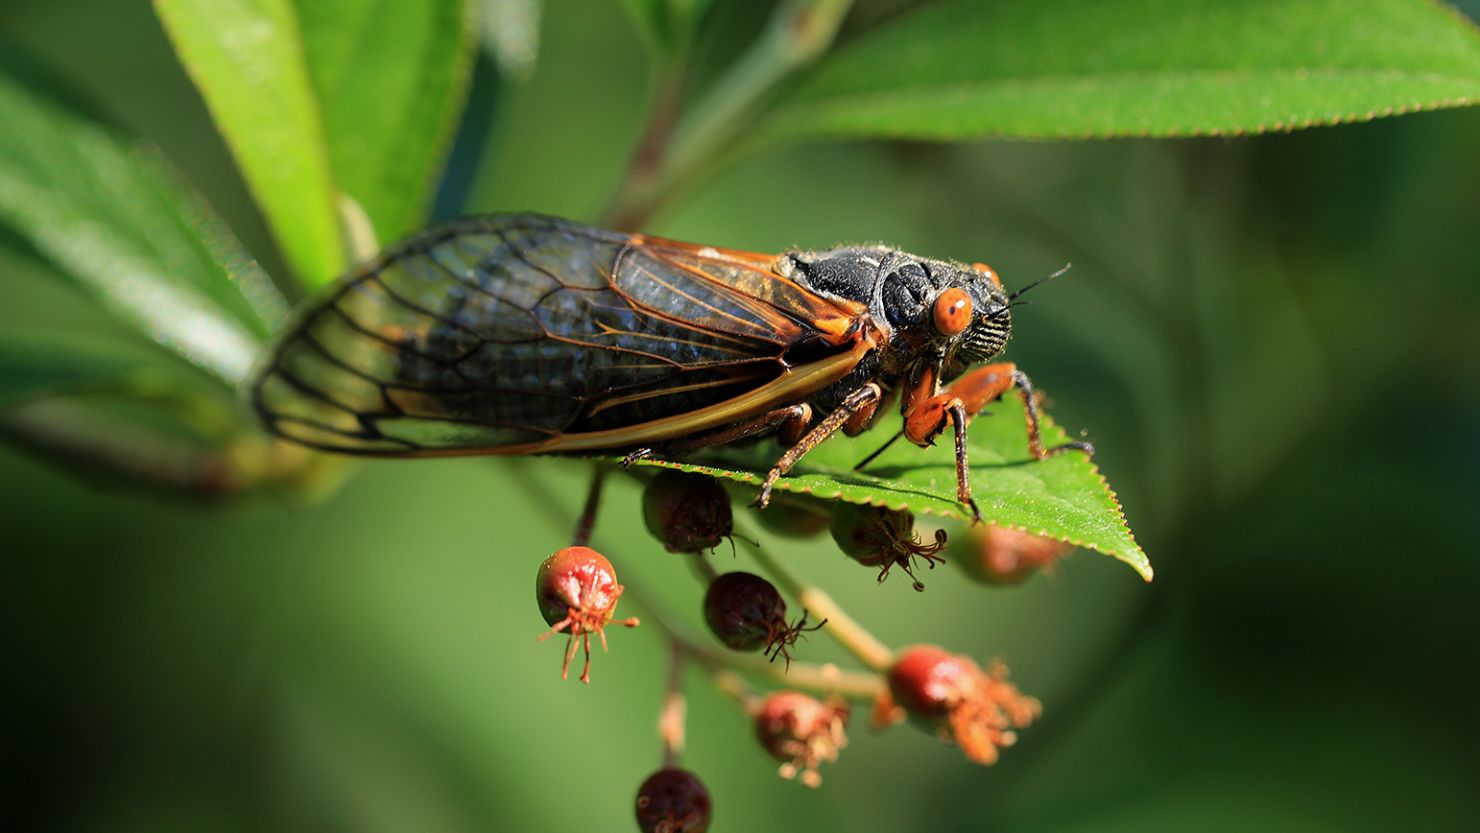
998 555
673 800
747 613
952 695
577 591
877 536
687 512
802 732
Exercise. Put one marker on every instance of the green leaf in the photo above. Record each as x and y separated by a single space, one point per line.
247 59
390 78
324 97
1063 497
129 232
35 365
1057 69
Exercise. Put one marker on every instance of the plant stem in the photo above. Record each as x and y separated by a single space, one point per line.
825 679
798 33
68 432
703 570
635 199
839 625
675 708
587 522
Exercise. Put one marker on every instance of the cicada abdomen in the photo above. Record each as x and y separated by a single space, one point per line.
524 334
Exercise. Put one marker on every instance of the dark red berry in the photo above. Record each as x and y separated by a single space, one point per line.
802 732
673 801
952 695
794 517
999 555
687 512
577 592
747 613
877 536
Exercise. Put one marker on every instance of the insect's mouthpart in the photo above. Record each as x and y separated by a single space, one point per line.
988 334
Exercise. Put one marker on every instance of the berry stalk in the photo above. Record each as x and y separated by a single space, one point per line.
854 637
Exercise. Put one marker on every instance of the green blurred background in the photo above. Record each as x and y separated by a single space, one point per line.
1272 341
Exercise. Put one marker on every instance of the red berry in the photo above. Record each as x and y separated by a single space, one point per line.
577 591
747 613
801 732
687 512
1003 556
952 695
877 536
673 801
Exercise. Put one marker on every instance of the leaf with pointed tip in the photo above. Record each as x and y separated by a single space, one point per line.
1062 497
1055 69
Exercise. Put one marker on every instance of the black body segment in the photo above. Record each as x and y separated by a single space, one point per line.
523 334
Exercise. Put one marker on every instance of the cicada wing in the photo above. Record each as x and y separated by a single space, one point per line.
522 333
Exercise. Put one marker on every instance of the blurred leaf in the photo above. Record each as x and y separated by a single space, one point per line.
1032 69
511 31
668 25
34 365
330 95
248 60
129 232
391 79
1063 497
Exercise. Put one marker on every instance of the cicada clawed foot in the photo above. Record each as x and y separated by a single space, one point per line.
970 503
763 499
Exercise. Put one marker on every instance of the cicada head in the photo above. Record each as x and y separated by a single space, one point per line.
933 308
969 311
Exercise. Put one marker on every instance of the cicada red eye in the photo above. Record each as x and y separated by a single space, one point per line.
989 272
952 311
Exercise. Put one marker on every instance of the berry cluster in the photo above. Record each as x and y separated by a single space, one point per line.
948 694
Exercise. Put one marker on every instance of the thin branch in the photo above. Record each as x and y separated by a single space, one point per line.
839 625
636 196
798 33
675 709
587 522
824 679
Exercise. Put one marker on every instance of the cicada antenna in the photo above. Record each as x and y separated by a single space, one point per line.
1043 280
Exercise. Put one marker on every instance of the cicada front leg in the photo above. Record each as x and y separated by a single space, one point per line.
790 424
965 398
858 405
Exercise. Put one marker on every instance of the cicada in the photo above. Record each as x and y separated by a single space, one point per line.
525 334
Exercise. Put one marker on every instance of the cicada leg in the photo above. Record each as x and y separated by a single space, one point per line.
859 401
791 422
965 398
